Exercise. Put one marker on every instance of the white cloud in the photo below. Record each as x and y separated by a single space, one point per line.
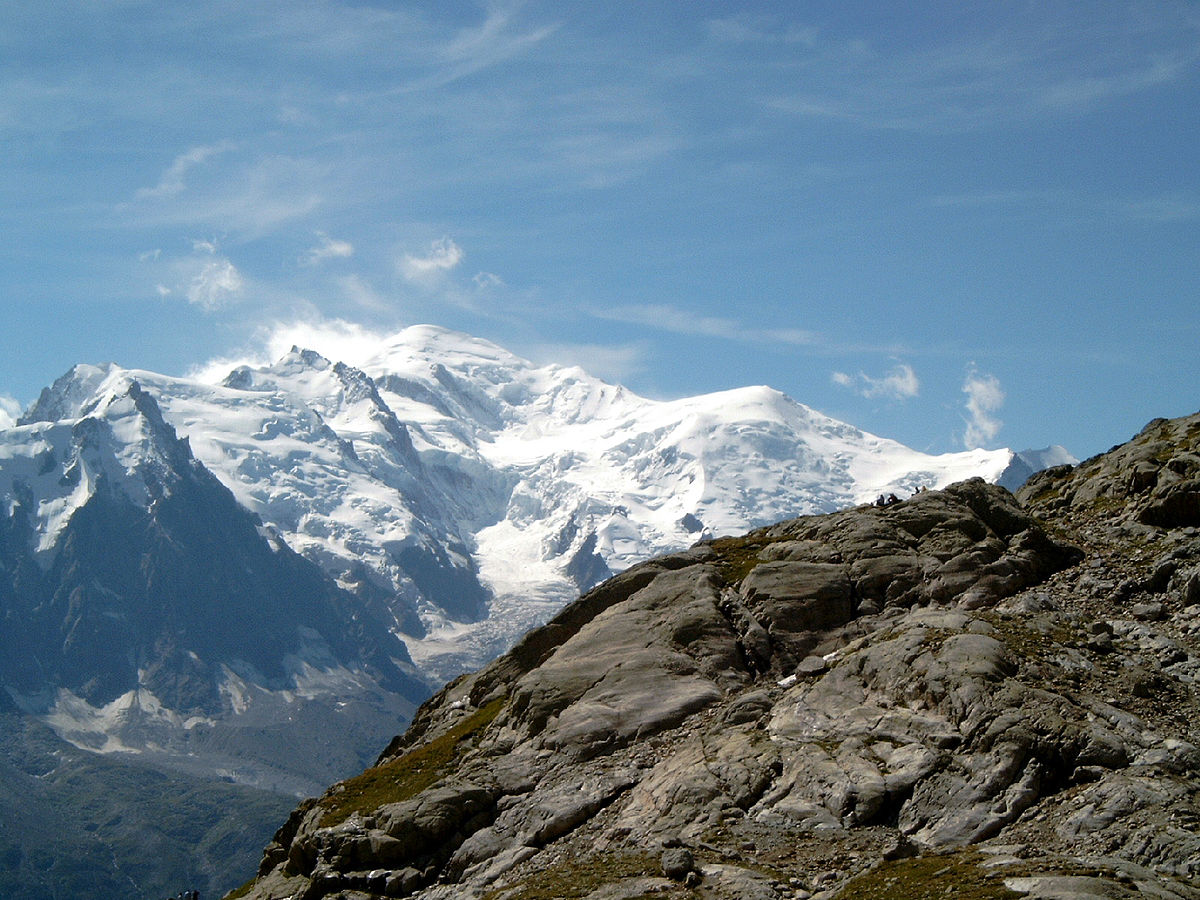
612 363
1157 209
328 248
743 29
443 256
204 277
253 197
10 411
984 397
216 284
1164 209
335 339
1062 60
172 181
899 383
680 321
215 370
363 294
480 47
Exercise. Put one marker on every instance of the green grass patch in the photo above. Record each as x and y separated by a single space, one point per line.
956 875
1033 643
738 556
577 876
237 893
406 776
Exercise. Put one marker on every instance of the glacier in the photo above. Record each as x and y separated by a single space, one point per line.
256 577
468 490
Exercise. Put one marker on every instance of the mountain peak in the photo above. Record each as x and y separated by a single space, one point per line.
225 574
526 482
70 392
302 358
420 346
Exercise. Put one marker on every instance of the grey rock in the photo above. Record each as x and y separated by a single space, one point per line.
1190 590
799 596
811 666
742 701
869 607
678 863
737 882
1147 612
1101 643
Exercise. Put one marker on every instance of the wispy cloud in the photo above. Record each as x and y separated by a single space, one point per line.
899 383
1151 209
1163 209
443 256
612 362
358 344
204 277
747 29
984 398
327 248
249 195
679 321
1063 62
216 284
10 411
172 182
335 339
976 199
362 294
497 39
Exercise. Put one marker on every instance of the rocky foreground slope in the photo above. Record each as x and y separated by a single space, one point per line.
960 694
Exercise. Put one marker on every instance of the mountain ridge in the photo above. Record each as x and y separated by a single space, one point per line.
449 459
198 575
961 691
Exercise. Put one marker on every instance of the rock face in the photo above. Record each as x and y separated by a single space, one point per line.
163 621
957 692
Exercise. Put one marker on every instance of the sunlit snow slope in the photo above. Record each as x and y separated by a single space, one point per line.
473 493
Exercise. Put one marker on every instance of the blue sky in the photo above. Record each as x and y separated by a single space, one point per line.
950 224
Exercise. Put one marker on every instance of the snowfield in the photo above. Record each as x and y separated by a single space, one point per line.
445 453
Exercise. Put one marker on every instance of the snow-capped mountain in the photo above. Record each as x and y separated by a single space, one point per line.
144 610
1027 462
451 494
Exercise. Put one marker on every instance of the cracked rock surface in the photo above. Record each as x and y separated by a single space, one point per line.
962 690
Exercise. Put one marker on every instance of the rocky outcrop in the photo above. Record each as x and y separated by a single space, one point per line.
1153 480
957 690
